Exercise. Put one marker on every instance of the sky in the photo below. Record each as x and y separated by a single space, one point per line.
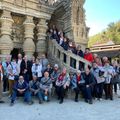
99 13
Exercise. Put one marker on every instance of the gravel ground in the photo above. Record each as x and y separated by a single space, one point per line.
69 110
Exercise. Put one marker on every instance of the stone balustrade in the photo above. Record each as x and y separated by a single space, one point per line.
65 58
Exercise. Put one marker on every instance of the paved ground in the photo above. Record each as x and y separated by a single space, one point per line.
69 110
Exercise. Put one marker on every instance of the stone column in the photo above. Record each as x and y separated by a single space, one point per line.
41 44
28 45
6 43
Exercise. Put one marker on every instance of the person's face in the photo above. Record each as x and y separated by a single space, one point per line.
78 73
46 74
86 51
25 57
70 44
37 61
65 40
94 65
34 78
21 79
43 56
64 71
55 68
87 71
19 56
8 59
48 66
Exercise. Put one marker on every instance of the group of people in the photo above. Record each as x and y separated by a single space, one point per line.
36 77
69 45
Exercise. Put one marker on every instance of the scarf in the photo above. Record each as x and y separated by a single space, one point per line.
78 78
61 77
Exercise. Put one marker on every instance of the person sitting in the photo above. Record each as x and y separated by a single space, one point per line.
62 84
89 84
45 86
78 84
20 88
55 74
34 87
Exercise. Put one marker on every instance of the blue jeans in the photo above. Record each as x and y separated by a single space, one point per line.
26 95
88 93
39 95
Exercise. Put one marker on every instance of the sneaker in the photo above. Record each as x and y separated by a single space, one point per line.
30 103
61 101
2 101
12 103
111 98
76 100
86 100
100 99
90 102
40 101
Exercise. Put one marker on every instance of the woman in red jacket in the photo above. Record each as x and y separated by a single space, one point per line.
88 55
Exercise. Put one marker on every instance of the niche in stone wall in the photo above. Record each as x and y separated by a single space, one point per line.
17 34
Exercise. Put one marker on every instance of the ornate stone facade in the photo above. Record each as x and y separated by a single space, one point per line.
23 23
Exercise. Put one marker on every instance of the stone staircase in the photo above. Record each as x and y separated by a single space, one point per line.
56 54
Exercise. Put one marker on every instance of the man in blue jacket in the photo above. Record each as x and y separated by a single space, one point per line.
21 88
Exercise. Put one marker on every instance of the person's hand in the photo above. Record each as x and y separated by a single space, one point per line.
79 82
25 70
46 91
35 92
87 86
64 86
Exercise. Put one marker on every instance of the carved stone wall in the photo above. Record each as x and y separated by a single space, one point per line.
19 25
23 23
70 15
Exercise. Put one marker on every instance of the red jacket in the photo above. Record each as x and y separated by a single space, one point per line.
88 57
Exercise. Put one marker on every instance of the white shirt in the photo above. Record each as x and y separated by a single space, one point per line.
18 64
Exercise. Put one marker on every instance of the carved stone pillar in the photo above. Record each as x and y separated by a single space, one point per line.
28 45
41 44
6 44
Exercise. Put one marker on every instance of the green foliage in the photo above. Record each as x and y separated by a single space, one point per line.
112 32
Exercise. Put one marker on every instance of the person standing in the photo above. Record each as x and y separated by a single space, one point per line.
37 69
88 55
1 81
25 69
44 62
19 60
98 72
109 73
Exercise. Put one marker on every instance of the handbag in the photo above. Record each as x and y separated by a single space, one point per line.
115 79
